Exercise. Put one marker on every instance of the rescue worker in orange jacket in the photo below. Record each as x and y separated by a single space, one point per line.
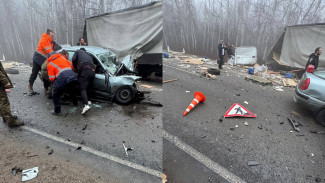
42 52
65 80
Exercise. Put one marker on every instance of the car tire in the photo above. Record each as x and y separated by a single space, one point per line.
214 71
124 95
12 71
320 118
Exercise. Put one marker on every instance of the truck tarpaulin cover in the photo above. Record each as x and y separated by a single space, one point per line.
134 31
297 43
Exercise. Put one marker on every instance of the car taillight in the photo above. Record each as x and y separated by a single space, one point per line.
304 84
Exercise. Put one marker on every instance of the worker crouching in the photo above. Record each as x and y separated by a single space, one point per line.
64 79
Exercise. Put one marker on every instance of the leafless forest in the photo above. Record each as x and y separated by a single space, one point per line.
198 25
23 22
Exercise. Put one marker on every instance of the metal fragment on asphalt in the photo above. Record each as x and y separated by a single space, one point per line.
294 124
252 163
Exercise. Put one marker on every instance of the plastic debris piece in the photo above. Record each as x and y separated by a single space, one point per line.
294 124
252 163
164 178
84 128
96 105
15 170
29 174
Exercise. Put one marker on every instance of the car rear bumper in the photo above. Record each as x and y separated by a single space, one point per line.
312 103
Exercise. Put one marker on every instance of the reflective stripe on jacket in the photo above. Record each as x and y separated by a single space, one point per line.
45 45
56 64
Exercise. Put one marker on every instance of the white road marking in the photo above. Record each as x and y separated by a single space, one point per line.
181 70
95 152
218 169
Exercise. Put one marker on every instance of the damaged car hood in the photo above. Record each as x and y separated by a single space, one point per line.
128 63
126 67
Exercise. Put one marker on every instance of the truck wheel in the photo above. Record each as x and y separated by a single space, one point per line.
124 95
320 118
214 71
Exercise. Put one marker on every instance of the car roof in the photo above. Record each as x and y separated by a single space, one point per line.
92 49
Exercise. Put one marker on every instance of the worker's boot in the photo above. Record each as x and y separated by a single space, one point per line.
30 88
14 122
14 117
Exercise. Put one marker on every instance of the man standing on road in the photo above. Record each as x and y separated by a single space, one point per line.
65 80
5 111
314 58
221 49
45 47
84 66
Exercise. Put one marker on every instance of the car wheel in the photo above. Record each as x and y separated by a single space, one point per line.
320 118
124 95
12 71
214 71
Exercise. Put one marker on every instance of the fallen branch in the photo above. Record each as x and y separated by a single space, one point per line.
171 80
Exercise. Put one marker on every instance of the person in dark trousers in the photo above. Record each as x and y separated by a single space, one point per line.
45 47
5 111
64 79
231 53
314 58
84 66
221 49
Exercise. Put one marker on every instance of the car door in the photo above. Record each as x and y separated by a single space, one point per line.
101 80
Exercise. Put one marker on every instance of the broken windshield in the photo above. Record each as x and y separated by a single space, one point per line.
108 59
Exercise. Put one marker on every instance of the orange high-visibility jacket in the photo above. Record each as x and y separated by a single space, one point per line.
57 64
45 45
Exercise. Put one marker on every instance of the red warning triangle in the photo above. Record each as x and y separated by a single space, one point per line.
239 110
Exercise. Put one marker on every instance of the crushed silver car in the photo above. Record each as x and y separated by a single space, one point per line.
311 92
113 79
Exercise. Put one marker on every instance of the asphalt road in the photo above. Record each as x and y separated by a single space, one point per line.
103 130
283 154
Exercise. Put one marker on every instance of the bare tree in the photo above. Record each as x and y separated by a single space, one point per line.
189 23
23 22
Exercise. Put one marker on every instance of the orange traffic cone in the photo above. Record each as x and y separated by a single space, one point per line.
198 97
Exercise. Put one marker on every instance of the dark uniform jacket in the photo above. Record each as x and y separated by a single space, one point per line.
80 59
313 60
231 51
221 49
